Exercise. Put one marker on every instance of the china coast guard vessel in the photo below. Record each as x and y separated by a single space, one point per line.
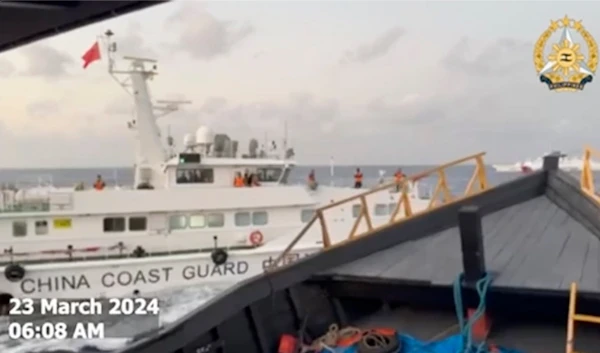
182 223
566 163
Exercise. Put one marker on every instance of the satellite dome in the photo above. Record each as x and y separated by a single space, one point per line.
204 135
189 140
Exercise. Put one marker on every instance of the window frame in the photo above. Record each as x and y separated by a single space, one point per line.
18 224
179 227
114 221
38 227
197 215
356 210
266 219
381 207
181 170
220 224
261 174
242 224
137 218
305 211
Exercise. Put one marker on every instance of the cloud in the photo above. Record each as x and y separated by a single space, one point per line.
46 61
203 36
7 68
501 56
43 109
133 43
375 49
122 105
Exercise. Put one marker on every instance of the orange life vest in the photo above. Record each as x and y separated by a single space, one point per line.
99 185
358 177
238 182
398 176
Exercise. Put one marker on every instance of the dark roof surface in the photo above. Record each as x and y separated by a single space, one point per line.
23 22
533 245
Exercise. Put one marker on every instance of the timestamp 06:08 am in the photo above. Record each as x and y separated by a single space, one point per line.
55 330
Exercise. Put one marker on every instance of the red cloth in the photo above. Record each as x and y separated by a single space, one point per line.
91 55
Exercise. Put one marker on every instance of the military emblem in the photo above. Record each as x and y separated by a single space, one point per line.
566 56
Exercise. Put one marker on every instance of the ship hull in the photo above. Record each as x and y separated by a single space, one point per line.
131 277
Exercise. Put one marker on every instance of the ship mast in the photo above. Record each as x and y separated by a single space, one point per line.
151 155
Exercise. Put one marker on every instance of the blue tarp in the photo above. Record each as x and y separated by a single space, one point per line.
410 344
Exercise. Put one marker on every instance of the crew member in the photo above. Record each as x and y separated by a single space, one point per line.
254 180
312 180
99 184
247 180
358 179
398 177
238 181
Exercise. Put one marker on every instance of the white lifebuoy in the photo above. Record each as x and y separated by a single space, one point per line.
256 238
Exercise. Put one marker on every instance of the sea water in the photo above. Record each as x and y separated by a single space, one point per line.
179 302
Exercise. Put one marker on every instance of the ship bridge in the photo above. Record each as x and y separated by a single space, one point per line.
536 238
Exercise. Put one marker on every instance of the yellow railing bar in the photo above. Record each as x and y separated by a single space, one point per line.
574 317
478 183
587 174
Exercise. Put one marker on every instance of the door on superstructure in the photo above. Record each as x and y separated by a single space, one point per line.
157 224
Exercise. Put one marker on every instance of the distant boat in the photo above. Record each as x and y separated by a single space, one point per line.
566 163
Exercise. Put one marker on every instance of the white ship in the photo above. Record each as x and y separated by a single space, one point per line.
182 223
567 163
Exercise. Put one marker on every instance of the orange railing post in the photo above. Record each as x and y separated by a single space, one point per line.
442 189
573 317
586 180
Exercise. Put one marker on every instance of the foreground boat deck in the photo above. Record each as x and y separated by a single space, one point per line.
532 245
534 337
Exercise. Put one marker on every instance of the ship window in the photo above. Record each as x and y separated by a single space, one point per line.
242 219
381 209
269 175
41 227
215 220
197 221
260 218
114 224
137 223
195 176
177 222
19 228
306 215
355 210
392 207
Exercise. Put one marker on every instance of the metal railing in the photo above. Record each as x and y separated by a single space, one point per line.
587 174
441 195
574 317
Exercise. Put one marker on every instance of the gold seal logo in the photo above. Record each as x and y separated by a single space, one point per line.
564 66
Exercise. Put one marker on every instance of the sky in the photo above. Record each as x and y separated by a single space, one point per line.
365 82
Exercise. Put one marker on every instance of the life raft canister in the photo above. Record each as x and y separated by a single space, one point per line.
219 256
14 272
256 238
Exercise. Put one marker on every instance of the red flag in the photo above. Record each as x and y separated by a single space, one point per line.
91 55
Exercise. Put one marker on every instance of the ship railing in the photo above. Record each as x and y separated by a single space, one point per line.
574 317
587 173
442 194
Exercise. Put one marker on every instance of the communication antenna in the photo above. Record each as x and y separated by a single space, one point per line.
145 65
165 107
285 138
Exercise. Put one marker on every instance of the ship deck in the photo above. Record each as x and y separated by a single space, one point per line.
531 245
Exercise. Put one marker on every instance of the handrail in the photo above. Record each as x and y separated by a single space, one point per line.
478 183
587 174
574 317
